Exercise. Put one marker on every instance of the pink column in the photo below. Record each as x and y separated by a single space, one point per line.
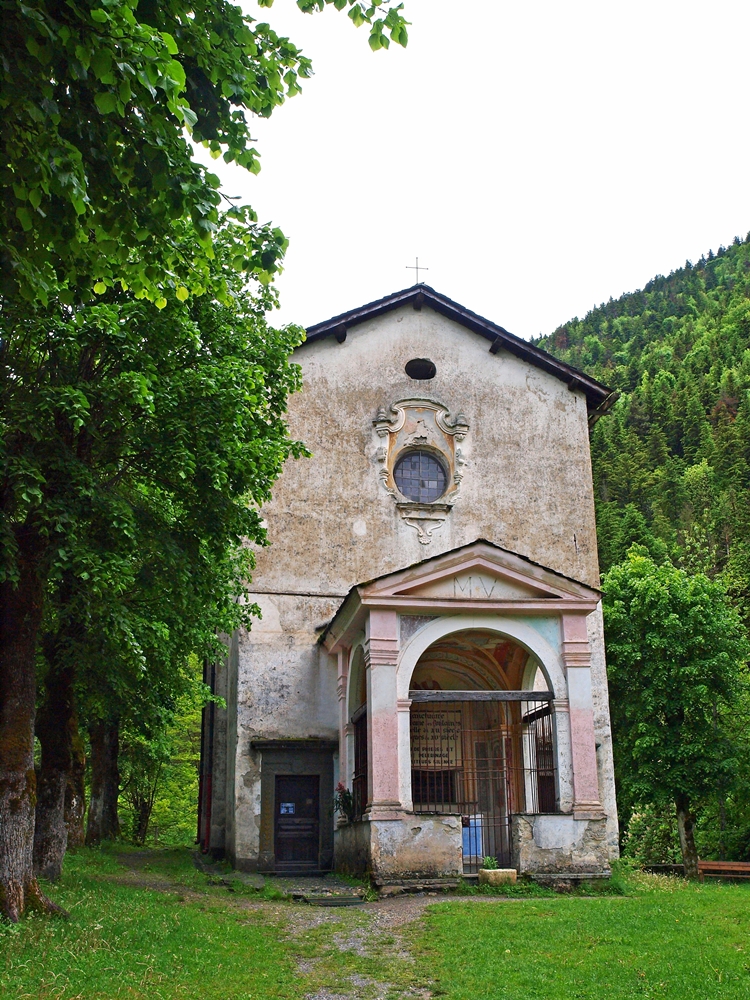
577 659
381 655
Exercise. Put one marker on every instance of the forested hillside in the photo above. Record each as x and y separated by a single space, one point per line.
672 468
672 458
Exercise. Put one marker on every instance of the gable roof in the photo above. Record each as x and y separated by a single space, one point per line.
598 397
479 576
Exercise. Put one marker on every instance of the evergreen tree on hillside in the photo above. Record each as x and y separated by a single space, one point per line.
671 461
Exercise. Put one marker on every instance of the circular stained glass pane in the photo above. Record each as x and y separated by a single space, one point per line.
420 477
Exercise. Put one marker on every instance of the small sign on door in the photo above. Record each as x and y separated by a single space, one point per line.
287 809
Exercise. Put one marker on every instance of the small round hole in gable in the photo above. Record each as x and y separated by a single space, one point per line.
420 368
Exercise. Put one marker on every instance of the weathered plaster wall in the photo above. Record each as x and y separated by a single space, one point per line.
219 775
285 688
412 847
527 481
556 843
526 486
231 749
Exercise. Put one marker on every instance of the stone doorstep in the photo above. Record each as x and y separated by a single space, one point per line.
331 900
399 887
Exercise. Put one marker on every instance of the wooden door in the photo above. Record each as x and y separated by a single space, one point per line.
297 825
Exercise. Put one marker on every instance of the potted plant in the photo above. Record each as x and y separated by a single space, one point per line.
491 874
343 802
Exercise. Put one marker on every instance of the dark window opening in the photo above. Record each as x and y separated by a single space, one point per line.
436 789
359 784
421 369
420 477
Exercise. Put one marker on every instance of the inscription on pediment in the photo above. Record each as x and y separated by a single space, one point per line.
476 586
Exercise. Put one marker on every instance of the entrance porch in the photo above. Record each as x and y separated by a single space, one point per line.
466 721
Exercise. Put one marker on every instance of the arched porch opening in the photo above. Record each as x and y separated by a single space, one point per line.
481 738
357 732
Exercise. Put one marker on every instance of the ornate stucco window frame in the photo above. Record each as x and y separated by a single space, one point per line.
423 423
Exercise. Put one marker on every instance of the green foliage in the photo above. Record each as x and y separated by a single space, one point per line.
651 836
671 462
391 27
159 775
137 444
101 103
676 650
490 863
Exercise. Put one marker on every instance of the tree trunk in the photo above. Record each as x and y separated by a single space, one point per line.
75 795
20 619
103 823
141 821
685 823
56 724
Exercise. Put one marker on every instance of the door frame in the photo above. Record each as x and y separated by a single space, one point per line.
300 864
295 758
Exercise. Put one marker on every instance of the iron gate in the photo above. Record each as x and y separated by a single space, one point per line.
484 760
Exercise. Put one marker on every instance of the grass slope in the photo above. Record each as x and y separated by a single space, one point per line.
160 935
147 925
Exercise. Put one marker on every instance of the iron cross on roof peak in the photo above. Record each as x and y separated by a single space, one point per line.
415 267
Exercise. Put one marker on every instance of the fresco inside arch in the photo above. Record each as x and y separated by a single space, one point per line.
479 660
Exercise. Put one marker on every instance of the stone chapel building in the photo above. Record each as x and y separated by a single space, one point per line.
432 631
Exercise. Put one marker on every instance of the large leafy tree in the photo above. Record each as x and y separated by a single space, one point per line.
100 103
100 100
137 445
677 652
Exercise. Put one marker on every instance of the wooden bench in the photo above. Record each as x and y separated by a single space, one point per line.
723 869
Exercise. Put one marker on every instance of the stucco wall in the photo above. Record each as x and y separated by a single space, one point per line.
555 843
414 847
284 688
526 486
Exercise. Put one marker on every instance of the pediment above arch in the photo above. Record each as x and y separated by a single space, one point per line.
480 572
477 578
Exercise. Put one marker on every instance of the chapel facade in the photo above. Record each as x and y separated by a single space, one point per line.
431 635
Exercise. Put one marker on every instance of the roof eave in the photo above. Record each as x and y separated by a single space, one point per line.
598 396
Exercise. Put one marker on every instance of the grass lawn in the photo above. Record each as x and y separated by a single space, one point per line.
668 939
159 933
146 924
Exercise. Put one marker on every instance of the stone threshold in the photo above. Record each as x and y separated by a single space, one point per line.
399 887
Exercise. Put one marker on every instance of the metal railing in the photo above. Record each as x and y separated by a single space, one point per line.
483 759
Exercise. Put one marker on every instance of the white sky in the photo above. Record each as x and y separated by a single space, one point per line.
538 157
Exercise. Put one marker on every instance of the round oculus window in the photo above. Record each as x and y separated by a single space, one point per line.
420 476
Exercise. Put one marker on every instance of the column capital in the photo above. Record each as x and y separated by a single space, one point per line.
576 651
380 651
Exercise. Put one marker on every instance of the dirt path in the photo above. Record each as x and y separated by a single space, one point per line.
332 943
